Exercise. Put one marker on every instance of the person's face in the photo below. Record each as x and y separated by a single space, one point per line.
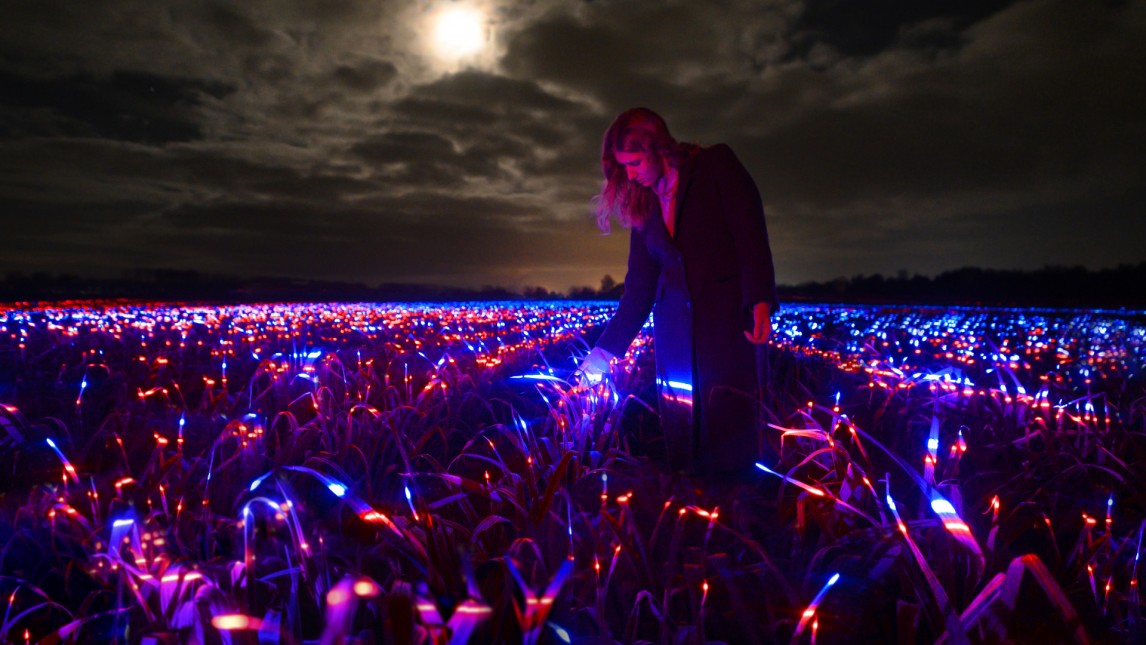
639 167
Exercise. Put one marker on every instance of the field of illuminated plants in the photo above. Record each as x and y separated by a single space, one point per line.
429 474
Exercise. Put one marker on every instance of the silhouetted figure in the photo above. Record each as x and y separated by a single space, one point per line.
699 260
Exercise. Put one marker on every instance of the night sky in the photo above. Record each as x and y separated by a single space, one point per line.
333 139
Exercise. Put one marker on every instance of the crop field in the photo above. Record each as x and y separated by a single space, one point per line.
431 473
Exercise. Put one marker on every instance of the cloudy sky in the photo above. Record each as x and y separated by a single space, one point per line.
337 139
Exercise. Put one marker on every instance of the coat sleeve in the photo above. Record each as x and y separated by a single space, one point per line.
744 211
637 300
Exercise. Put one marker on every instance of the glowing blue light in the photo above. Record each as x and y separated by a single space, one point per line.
536 377
119 524
766 469
51 443
676 385
834 579
933 444
942 506
561 633
255 484
336 488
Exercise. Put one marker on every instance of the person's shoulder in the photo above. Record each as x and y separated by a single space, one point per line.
719 155
720 151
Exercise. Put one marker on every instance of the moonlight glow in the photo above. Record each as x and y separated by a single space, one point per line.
459 32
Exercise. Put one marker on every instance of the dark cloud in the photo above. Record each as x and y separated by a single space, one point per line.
859 29
232 25
498 94
511 132
421 158
985 121
366 76
125 106
608 62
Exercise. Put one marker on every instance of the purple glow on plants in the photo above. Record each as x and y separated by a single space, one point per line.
540 489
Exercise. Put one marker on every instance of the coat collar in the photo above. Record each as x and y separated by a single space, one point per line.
684 180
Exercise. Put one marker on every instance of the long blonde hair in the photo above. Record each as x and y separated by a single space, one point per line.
635 130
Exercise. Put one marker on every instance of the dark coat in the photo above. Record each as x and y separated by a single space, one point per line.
701 286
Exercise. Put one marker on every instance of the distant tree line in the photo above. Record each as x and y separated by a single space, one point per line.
193 286
1054 286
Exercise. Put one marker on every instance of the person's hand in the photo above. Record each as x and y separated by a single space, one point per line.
594 367
761 324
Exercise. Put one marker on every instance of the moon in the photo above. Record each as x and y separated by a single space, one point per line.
459 31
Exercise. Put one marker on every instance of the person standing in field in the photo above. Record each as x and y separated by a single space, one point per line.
700 261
